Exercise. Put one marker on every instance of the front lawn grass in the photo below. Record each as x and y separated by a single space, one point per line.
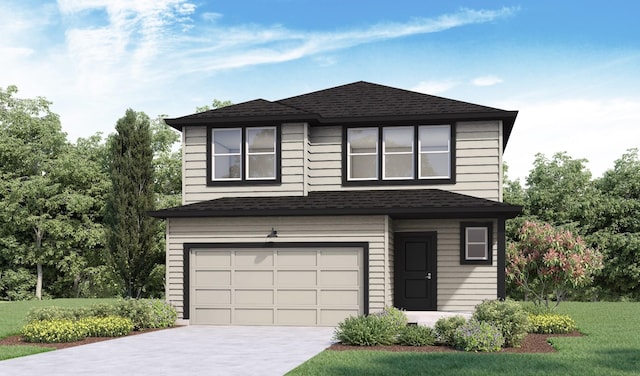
12 318
611 346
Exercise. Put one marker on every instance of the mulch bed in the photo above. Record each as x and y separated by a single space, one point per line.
17 340
533 343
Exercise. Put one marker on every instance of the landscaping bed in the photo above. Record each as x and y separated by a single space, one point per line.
17 340
533 343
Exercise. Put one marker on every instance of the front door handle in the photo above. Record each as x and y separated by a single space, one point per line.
428 276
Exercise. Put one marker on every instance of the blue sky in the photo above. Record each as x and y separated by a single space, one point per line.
572 69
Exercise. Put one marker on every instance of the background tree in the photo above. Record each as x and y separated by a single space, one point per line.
130 231
33 226
616 227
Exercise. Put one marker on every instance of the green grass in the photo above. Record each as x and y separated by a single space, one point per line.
611 346
12 318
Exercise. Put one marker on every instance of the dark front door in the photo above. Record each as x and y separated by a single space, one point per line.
415 271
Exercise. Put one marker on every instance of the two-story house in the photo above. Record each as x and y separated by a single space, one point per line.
339 202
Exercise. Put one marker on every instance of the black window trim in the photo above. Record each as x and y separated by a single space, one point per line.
416 180
243 181
463 243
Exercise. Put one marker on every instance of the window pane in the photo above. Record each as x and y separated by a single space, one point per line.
398 166
226 141
398 139
262 166
477 235
363 167
434 165
226 167
434 138
477 251
261 140
363 140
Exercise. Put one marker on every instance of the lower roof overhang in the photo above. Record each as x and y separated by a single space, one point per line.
406 204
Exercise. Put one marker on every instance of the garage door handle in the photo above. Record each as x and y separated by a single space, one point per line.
428 276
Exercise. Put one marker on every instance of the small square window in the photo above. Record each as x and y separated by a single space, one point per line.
476 246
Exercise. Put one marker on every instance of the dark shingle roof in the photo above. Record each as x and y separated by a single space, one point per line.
414 203
358 102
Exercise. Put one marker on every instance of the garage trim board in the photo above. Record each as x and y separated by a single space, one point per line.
294 283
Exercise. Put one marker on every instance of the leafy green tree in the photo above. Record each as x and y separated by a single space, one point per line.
616 227
130 231
167 164
547 263
33 210
215 104
560 191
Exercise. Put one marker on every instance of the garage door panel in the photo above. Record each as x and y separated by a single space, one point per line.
297 258
339 278
338 297
297 317
213 316
297 278
255 258
251 316
212 278
253 278
340 258
254 297
331 317
275 286
205 296
297 297
212 258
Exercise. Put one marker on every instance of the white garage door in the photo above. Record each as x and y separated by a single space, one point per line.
275 286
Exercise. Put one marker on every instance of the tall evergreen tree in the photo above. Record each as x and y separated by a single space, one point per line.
130 233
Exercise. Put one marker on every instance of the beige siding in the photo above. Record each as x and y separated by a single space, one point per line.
460 287
369 229
478 160
194 182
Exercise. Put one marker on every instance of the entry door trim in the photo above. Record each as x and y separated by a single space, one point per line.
186 264
400 239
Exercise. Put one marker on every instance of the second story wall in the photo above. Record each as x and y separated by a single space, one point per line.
311 160
478 161
194 167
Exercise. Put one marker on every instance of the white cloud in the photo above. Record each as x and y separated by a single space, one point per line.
486 81
599 130
211 16
434 87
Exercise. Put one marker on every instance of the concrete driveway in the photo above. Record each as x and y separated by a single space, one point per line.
189 350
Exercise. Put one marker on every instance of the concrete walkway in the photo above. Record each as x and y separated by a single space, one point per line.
429 318
190 350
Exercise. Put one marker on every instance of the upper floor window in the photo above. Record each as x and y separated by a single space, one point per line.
246 154
399 155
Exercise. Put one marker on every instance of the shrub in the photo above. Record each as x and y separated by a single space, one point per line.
478 336
446 326
366 331
110 326
416 335
147 313
395 317
50 313
54 331
551 323
508 316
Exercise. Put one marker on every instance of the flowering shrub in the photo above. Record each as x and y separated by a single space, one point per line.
551 323
508 316
446 327
478 336
54 331
416 335
111 326
546 262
